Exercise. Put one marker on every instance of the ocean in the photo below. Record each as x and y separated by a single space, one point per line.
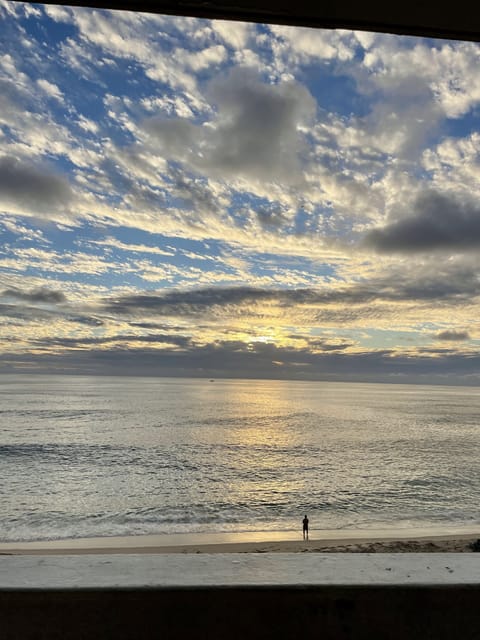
115 456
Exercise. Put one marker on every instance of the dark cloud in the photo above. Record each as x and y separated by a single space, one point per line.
194 194
351 313
438 222
195 301
453 336
255 133
25 313
329 345
271 217
322 344
257 129
181 341
31 312
27 186
235 359
41 294
190 301
89 321
449 284
158 326
175 135
407 112
436 351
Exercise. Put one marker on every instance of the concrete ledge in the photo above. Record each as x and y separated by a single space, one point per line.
172 571
232 596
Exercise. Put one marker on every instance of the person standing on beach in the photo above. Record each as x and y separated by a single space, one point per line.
305 528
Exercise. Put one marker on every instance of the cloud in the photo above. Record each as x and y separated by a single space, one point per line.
201 60
303 45
196 195
89 126
156 325
113 243
321 344
48 296
231 358
50 89
428 285
447 69
234 34
256 133
30 188
64 262
13 225
57 13
89 321
85 342
186 149
453 336
26 313
271 217
439 222
190 301
200 301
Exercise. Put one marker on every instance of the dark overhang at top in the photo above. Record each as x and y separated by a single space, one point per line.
455 20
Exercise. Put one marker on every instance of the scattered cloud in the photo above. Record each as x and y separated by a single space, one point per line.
194 197
50 89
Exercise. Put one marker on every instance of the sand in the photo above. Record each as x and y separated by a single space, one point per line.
454 541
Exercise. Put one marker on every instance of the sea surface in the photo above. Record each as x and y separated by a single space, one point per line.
110 456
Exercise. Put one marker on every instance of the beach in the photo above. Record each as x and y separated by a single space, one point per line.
420 541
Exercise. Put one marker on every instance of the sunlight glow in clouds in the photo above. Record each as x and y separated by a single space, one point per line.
204 198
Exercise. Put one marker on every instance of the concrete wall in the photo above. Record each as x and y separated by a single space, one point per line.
239 596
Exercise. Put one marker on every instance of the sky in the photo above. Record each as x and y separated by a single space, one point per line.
185 197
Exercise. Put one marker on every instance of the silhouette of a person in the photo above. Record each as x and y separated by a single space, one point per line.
305 527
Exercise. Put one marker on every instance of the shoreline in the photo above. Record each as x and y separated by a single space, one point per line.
438 540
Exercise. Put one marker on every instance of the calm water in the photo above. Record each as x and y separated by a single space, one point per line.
93 456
